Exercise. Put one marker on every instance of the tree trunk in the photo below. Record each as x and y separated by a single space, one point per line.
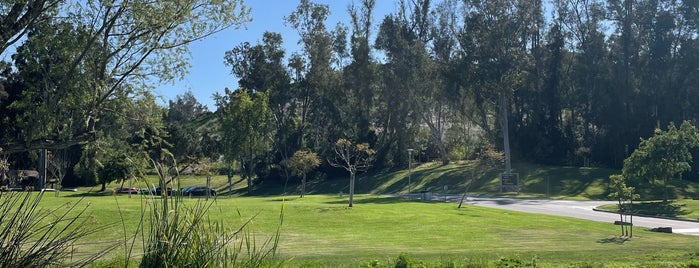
621 217
303 185
436 136
250 168
351 189
665 190
504 124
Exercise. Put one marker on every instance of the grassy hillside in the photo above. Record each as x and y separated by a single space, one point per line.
473 177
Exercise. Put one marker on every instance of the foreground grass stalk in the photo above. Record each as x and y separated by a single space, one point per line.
34 237
178 232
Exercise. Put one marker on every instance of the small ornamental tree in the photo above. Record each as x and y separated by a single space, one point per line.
663 156
623 194
300 164
353 158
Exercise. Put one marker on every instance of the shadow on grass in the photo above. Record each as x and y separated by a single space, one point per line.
471 176
84 194
614 239
659 208
567 181
375 200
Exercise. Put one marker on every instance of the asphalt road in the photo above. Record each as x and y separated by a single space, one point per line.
571 208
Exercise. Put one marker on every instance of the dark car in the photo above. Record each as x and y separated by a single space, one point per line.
126 190
159 191
198 191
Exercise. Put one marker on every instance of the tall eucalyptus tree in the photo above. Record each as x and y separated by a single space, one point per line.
320 85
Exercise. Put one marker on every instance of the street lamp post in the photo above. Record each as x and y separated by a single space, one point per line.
410 166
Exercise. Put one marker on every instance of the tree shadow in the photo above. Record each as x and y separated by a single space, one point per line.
566 181
86 194
658 208
375 200
507 201
619 240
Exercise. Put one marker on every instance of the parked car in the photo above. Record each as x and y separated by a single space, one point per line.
126 190
159 191
199 190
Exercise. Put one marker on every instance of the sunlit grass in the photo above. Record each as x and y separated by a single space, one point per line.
321 229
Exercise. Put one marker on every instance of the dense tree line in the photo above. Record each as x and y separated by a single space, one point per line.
574 82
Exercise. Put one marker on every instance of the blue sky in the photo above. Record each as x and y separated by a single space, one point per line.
208 74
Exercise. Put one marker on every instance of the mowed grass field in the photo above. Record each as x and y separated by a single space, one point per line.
321 231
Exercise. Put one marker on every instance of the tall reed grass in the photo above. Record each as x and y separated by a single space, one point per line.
179 233
32 236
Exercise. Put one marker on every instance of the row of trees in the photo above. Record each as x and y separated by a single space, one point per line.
575 81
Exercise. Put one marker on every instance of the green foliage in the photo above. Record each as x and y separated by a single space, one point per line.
58 96
301 163
664 155
246 124
190 139
75 70
22 15
404 260
619 190
114 168
579 88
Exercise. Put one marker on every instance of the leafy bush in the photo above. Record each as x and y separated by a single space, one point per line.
692 264
404 260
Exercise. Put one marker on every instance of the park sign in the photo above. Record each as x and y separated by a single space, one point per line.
509 182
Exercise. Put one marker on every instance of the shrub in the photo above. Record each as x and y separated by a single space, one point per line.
404 260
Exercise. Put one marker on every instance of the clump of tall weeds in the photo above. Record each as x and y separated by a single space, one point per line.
177 232
32 236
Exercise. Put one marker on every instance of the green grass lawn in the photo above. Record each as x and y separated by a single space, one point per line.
320 231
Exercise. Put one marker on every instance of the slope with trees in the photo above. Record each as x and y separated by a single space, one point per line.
563 82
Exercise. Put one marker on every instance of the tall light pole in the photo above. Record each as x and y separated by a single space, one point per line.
410 166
